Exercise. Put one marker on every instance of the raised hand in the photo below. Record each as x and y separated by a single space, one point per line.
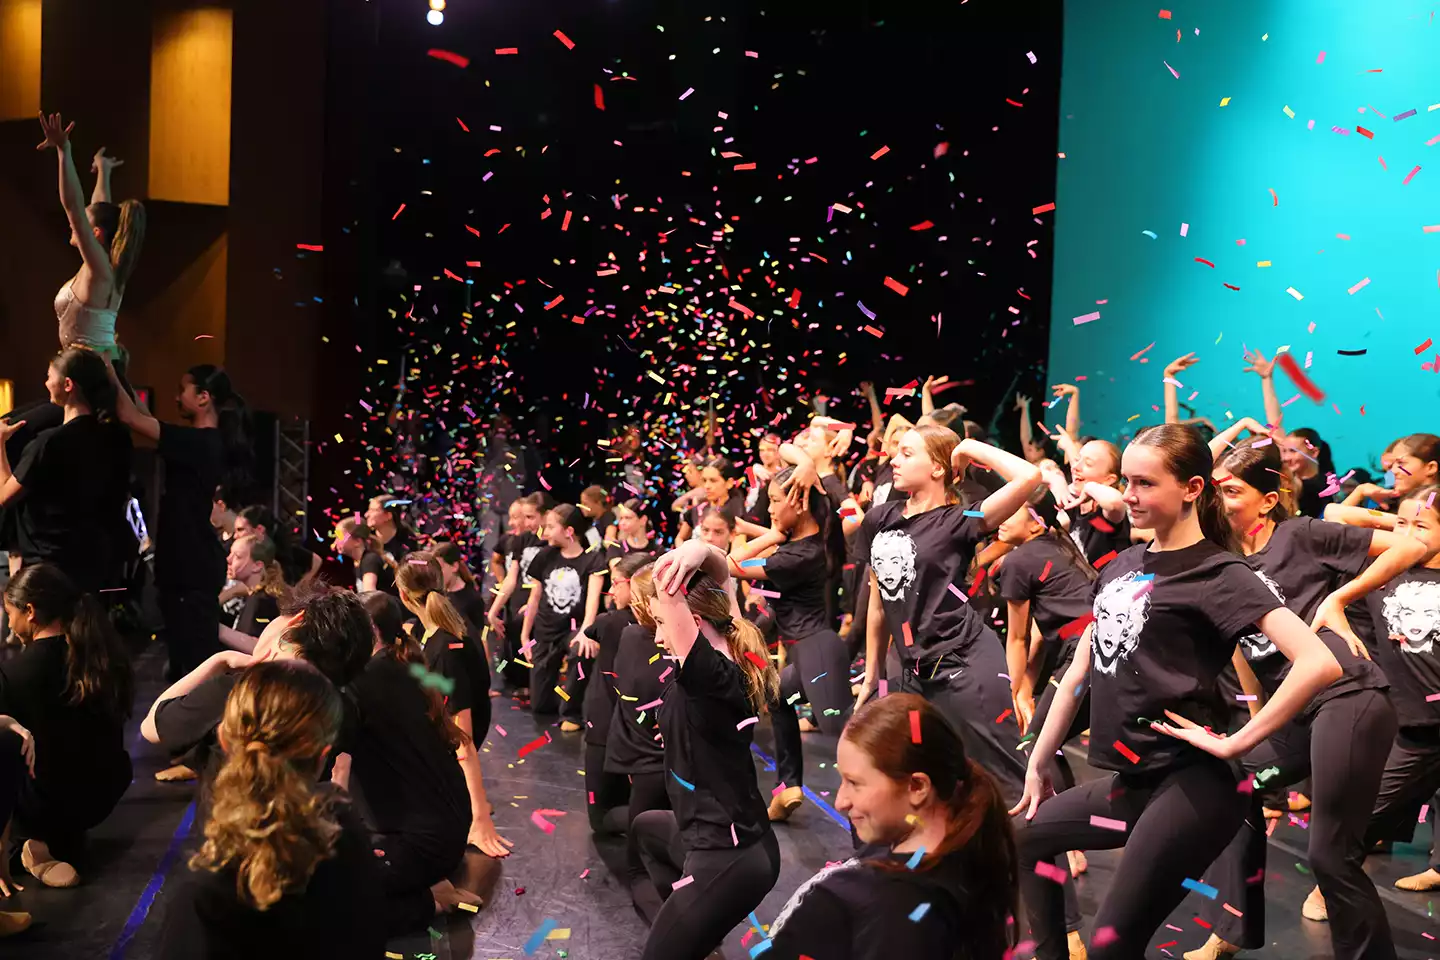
57 134
1022 402
1256 363
1181 363
103 163
1065 390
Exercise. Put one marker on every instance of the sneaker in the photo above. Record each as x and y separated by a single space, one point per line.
785 802
1214 949
1314 908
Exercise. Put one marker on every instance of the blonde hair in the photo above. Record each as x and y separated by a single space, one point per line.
421 580
269 819
710 602
940 443
264 552
354 527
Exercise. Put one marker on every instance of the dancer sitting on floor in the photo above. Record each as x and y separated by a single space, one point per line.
718 839
71 688
936 876
285 860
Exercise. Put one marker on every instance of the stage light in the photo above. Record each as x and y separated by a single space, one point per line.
437 4
435 17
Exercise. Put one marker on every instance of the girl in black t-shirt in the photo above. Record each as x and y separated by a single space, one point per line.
461 588
296 563
718 479
1317 568
1167 617
1414 461
718 840
285 860
373 569
1091 507
632 531
790 559
513 555
936 876
564 600
71 688
460 662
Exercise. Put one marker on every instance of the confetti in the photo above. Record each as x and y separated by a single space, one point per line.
449 57
914 726
569 44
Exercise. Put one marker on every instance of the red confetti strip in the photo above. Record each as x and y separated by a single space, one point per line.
884 150
569 44
1424 346
1206 262
756 659
1164 14
794 299
1101 561
914 726
554 302
923 225
1293 371
599 98
1231 286
744 166
1275 197
317 247
737 305
566 224
453 276
532 746
897 286
1001 718
909 638
1126 752
506 51
472 229
398 212
448 57
1076 627
873 331
462 124
1046 572
1364 133
1014 103
1043 208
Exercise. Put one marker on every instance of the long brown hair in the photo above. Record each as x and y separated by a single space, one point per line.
450 552
1256 461
940 443
269 819
122 231
263 551
420 578
1186 455
97 667
389 618
978 828
711 603
354 527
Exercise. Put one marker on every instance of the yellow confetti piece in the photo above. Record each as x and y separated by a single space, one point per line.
1289 113
1224 101
563 695
560 933
468 907
1135 417
394 956
1262 263
654 376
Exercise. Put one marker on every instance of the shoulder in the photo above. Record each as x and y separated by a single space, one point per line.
878 518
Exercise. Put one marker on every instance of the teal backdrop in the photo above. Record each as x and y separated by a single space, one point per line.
1145 150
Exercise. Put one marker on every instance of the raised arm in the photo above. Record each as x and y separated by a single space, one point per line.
927 399
1172 397
1021 478
139 421
1027 432
1394 554
1072 410
1225 439
877 420
103 165
1265 370
1359 517
72 195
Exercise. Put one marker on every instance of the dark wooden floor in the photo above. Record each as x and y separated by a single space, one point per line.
566 877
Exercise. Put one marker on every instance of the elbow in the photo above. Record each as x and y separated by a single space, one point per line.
1029 477
148 731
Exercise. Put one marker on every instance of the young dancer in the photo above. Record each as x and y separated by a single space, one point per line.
632 531
791 558
461 588
1316 568
568 582
718 836
108 237
601 643
296 563
71 688
506 617
1414 461
357 542
449 654
718 478
936 876
396 539
251 563
1157 646
71 486
1093 510
595 503
285 859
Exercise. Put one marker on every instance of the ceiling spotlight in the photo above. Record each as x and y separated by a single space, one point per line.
437 4
435 17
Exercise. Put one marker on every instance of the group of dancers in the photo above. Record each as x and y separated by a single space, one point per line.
1226 616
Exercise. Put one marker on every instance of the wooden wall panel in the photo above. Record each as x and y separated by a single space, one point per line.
19 59
190 77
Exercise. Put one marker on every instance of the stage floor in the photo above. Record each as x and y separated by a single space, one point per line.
567 876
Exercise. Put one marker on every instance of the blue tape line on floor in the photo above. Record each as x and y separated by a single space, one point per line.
152 889
830 811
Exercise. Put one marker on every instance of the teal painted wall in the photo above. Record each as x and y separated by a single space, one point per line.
1144 150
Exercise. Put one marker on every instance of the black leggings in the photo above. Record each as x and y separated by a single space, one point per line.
59 822
1176 822
647 792
818 672
604 792
546 657
1064 776
726 886
514 674
409 865
1343 748
192 627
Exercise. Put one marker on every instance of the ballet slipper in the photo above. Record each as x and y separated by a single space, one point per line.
1078 863
13 923
1214 949
447 897
1077 946
1272 813
1314 908
1299 802
1420 882
784 803
35 858
569 726
176 774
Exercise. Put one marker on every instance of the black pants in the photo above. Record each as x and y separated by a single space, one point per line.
547 656
1176 824
726 886
192 627
514 673
409 866
59 822
604 792
1342 748
1064 776
575 686
817 672
647 792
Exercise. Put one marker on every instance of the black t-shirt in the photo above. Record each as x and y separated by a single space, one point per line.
80 758
188 722
600 698
521 548
256 613
295 562
563 581
76 479
718 806
1309 500
188 554
1160 643
1042 572
1303 562
615 551
372 562
855 910
338 914
472 607
634 745
920 564
1097 536
408 773
797 571
458 659
402 544
1406 612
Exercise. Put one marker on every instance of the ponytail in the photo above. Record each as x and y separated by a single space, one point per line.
443 614
421 582
389 619
1213 523
232 420
762 684
449 551
129 237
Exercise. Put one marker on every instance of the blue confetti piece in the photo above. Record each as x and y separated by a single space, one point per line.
915 859
538 937
1145 576
684 783
757 562
975 513
825 674
919 912
760 948
1204 889
1150 234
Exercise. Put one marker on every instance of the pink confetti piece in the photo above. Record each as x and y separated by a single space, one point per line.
1086 318
651 705
1321 58
687 93
747 722
1410 177
1105 823
587 869
541 822
734 841
682 882
1359 286
1047 870
1175 73
1184 229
